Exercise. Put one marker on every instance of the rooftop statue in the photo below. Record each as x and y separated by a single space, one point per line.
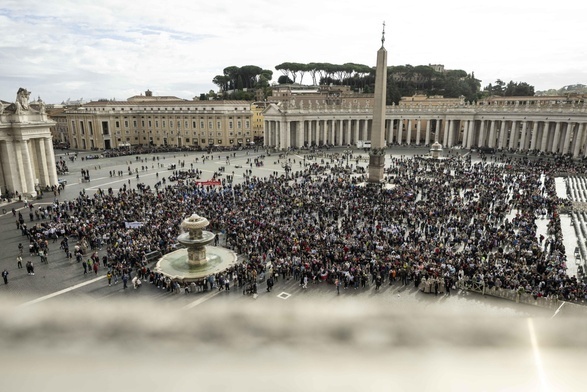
22 100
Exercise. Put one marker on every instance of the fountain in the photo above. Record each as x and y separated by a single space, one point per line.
197 260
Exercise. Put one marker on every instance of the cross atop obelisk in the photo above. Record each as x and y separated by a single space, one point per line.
377 153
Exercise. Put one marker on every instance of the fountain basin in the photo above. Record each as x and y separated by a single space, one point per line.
175 265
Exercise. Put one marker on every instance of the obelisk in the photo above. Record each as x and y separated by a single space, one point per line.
377 153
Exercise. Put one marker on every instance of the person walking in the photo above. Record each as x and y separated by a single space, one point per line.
337 284
19 261
30 268
85 268
5 276
109 277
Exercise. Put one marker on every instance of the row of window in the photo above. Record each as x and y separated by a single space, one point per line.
203 133
187 140
105 128
186 124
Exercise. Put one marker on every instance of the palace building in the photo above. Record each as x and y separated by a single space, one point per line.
159 121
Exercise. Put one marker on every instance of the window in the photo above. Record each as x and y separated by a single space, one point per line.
150 124
126 123
219 141
210 124
230 125
239 124
247 123
134 123
193 124
73 127
81 128
170 124
163 123
156 123
91 124
117 124
186 124
142 123
219 125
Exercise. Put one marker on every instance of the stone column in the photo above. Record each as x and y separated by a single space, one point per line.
409 137
400 127
427 138
389 133
567 140
355 136
39 146
341 133
348 132
577 141
418 131
8 157
481 140
451 133
534 135
446 132
502 134
301 128
24 167
492 134
470 133
555 141
523 136
465 133
544 136
513 133
51 167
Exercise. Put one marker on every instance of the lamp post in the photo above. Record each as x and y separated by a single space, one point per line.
348 153
287 168
230 180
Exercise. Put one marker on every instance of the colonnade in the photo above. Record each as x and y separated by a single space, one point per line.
536 132
26 163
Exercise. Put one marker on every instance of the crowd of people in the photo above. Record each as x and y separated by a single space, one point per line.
436 224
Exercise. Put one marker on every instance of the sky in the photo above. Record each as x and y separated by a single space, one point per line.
114 49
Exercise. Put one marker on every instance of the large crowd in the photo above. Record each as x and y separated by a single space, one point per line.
433 226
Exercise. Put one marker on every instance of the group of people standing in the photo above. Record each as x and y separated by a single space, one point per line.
436 223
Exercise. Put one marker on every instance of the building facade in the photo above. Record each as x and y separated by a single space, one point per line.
545 124
148 120
27 161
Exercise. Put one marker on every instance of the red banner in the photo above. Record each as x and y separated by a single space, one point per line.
209 182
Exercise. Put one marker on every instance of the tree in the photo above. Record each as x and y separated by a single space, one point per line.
284 79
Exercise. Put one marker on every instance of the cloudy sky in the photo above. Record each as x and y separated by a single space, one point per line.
60 49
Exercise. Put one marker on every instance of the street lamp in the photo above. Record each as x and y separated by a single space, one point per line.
230 180
348 154
287 168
